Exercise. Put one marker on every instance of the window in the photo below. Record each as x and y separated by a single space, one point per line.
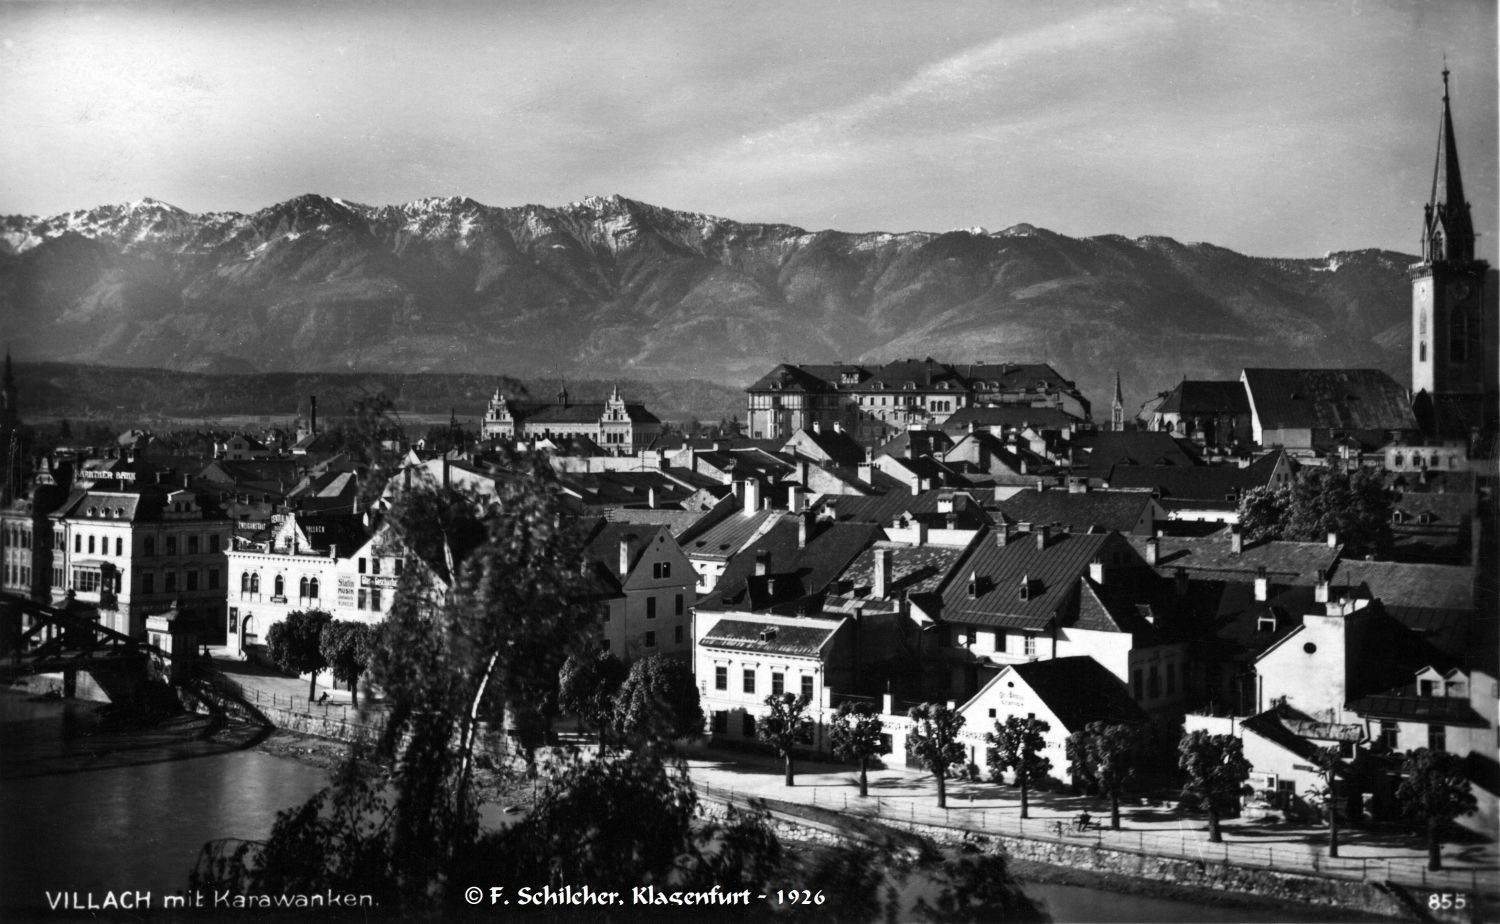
749 680
119 546
604 644
677 634
374 566
1437 738
234 619
721 677
213 543
650 639
150 546
302 588
57 577
192 580
213 578
807 686
363 599
1136 687
1427 688
678 606
91 545
244 582
661 569
1030 646
398 567
77 543
375 599
650 607
280 585
171 582
312 589
255 583
747 725
192 545
1390 736
778 683
171 545
362 566
87 581
1153 683
721 721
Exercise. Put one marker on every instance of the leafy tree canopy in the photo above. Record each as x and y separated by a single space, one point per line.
659 700
1354 504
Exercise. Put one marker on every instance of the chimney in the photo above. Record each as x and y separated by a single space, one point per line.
804 527
951 520
1153 551
1320 589
817 427
1236 539
762 562
1096 571
1002 534
796 499
1042 535
882 588
867 472
651 498
1333 539
838 427
312 414
752 495
624 556
1180 582
1262 587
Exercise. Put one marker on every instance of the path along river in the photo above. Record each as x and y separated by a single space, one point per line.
84 811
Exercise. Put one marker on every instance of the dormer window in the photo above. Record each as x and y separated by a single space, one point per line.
973 586
1026 587
1266 623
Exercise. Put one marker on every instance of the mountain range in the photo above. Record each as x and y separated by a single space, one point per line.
610 287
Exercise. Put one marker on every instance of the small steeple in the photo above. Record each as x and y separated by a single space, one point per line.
1448 229
1117 407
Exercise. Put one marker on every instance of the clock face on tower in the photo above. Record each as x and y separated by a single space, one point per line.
1462 291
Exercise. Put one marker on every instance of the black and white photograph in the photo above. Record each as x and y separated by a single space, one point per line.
689 460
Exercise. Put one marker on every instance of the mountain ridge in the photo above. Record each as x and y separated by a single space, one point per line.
621 287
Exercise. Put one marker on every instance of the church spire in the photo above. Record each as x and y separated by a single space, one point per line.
1117 407
1448 229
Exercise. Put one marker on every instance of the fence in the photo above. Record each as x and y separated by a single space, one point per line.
969 819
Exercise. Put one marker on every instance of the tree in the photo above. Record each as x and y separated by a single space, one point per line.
1106 756
933 740
857 734
1330 767
1433 793
347 648
659 701
1217 771
1017 744
782 727
1354 504
587 687
296 645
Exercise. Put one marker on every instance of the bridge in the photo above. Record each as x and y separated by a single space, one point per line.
40 639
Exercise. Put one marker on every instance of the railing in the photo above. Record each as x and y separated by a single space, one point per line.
1004 820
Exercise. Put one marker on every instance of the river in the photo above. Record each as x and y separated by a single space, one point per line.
84 811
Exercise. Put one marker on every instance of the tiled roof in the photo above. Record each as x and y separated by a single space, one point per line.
1202 482
1347 399
1009 416
1107 449
1439 510
916 443
1212 557
787 377
914 571
344 532
587 412
1103 510
1407 706
837 446
726 538
1297 732
1201 396
604 544
1051 575
881 509
1079 690
805 639
1400 584
798 572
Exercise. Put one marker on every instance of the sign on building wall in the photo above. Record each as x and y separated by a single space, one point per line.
346 591
373 580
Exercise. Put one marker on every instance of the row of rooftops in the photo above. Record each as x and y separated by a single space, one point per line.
912 375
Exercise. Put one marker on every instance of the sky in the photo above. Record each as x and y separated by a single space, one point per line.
1273 128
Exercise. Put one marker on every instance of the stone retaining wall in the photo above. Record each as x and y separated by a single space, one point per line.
1209 874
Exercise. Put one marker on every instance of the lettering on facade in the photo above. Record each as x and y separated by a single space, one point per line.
375 580
346 590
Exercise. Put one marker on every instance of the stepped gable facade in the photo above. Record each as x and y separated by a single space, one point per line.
617 426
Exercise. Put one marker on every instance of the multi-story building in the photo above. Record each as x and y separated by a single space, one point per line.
296 567
131 550
617 426
650 590
869 399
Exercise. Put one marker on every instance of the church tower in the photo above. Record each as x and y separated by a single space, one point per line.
1450 333
1117 407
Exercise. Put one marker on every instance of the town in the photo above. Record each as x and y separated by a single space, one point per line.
1298 561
